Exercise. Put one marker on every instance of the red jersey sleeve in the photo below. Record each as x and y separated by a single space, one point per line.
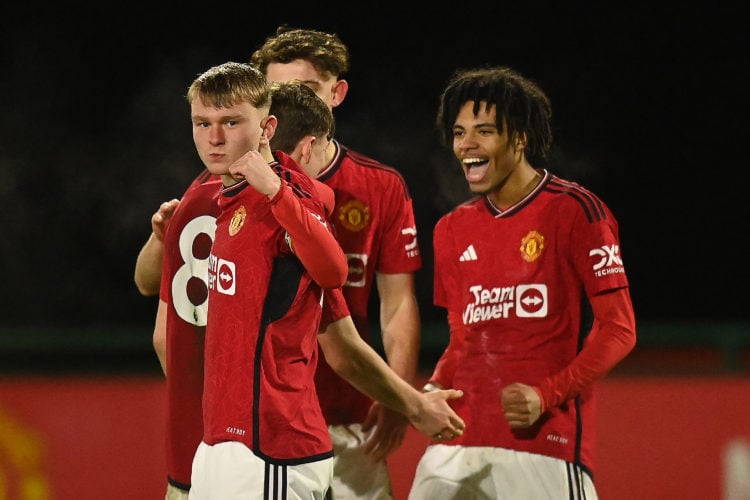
310 239
612 337
327 196
334 307
445 288
446 365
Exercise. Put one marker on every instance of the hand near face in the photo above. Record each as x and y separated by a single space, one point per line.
255 170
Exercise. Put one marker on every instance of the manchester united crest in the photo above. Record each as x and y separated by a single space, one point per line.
354 215
238 219
532 246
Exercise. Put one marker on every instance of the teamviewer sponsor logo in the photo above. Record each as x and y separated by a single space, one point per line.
531 301
221 275
357 269
469 254
523 301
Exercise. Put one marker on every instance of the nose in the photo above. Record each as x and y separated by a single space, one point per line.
466 141
216 136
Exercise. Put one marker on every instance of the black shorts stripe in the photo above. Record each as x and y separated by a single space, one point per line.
575 476
275 481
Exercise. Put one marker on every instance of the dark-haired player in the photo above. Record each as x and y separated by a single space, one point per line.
514 268
375 225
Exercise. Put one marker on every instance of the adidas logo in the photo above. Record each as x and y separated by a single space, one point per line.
469 254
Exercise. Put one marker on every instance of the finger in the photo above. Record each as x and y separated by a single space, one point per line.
382 451
452 432
455 431
236 173
453 393
458 423
370 420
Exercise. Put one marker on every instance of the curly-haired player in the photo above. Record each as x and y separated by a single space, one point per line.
514 268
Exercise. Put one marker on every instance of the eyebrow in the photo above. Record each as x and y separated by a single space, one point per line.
477 125
222 118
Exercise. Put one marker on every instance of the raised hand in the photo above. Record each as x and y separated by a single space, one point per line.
253 167
161 217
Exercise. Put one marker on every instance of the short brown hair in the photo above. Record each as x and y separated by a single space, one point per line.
325 51
229 84
300 113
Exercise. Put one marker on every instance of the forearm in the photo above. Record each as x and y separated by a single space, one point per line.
359 364
147 275
160 335
612 337
400 331
311 240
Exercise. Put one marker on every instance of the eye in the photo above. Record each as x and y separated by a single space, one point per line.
458 133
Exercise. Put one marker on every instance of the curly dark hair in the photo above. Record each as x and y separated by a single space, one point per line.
519 102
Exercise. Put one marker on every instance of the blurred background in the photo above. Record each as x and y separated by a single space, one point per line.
650 113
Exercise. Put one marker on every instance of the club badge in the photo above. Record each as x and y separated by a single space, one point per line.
238 219
354 215
531 246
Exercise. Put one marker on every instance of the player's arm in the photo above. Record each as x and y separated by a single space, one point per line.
160 335
309 235
400 330
446 277
147 275
310 239
445 368
399 322
355 361
611 338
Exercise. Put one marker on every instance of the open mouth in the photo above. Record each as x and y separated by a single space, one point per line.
475 168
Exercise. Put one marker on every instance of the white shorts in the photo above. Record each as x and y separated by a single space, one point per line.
355 475
479 473
175 493
230 471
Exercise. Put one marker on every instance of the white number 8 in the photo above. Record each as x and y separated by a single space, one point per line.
190 282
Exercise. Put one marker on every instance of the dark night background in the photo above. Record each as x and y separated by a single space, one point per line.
650 112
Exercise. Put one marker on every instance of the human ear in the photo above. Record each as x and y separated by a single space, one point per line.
340 88
521 141
307 146
268 126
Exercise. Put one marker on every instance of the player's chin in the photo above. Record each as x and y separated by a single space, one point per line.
217 168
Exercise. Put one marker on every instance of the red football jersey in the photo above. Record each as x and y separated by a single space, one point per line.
184 288
519 279
261 338
375 226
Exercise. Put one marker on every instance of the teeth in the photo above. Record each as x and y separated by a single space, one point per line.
471 161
